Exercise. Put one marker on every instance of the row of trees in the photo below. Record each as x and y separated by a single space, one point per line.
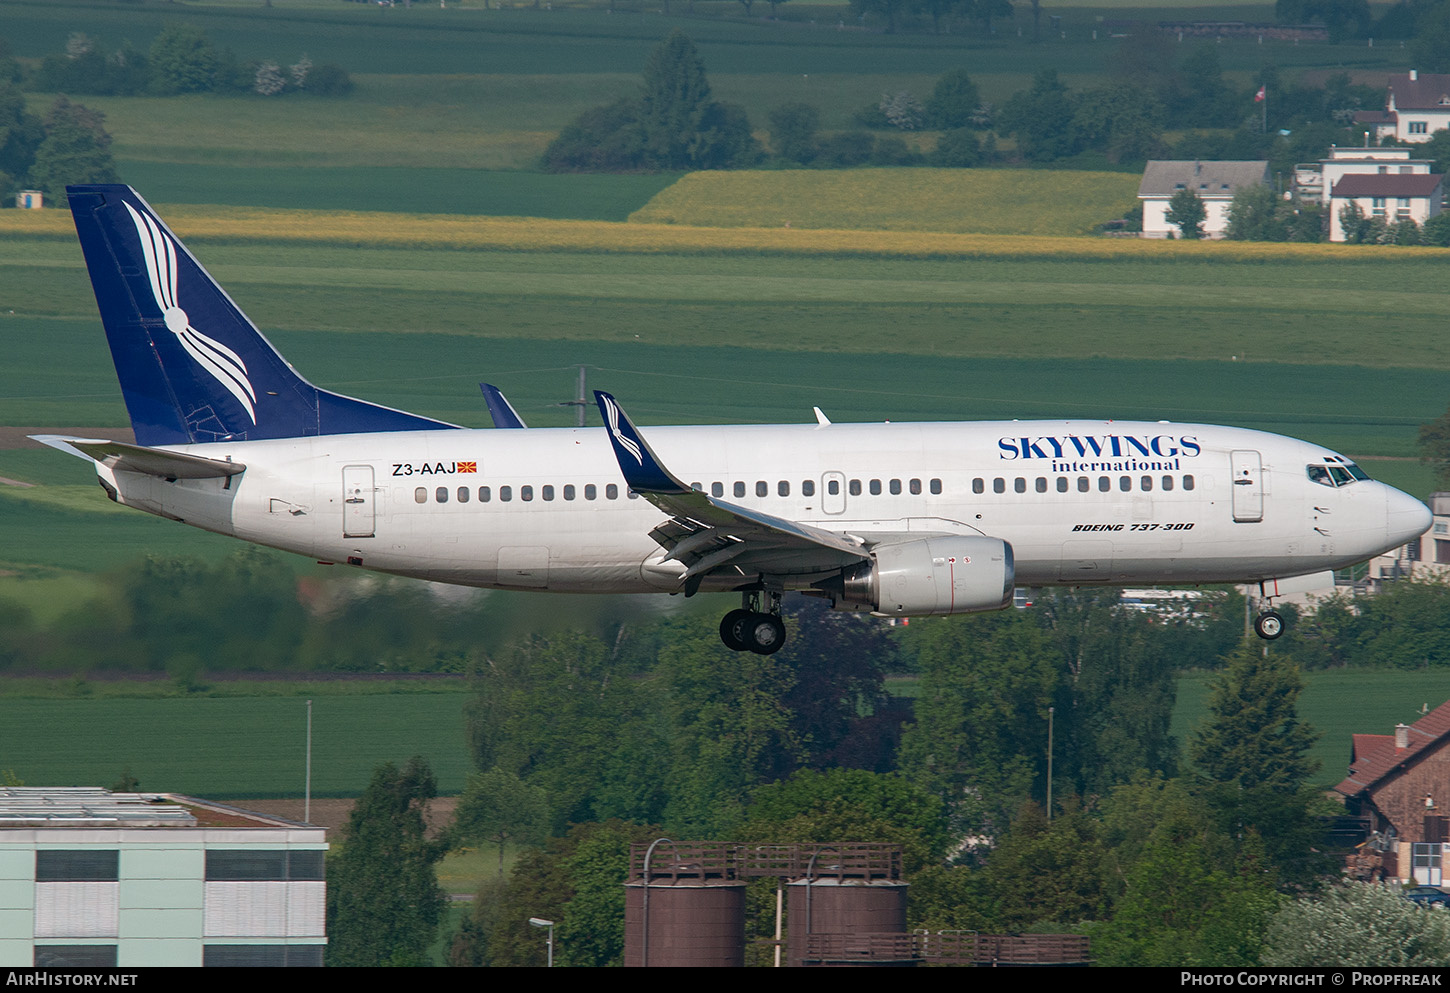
69 144
182 59
158 616
1160 869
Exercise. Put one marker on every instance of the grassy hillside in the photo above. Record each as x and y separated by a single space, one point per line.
978 201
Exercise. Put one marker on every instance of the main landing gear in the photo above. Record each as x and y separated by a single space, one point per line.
753 629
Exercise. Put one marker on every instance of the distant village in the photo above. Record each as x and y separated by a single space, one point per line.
1372 182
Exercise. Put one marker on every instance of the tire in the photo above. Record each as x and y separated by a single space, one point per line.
1269 625
732 630
766 633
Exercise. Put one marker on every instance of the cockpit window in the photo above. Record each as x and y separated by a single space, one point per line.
1339 472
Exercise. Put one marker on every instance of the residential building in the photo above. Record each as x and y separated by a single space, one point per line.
1420 105
1214 183
1390 196
1315 180
1398 788
89 877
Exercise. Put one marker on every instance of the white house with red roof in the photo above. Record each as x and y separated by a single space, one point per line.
1393 197
1416 106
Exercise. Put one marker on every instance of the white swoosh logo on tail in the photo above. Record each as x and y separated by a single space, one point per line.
223 364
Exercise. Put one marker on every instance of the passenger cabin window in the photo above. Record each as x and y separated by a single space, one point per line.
441 494
833 487
484 494
611 492
1083 484
979 486
1019 485
1167 483
505 493
740 489
1146 483
808 487
420 495
762 488
936 486
1188 482
526 492
1062 484
591 492
1041 484
463 494
875 487
999 485
894 487
855 487
782 488
717 489
915 486
568 491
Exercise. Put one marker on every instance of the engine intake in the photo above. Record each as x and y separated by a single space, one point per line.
947 575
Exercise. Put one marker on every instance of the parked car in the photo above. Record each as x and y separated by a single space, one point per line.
1427 896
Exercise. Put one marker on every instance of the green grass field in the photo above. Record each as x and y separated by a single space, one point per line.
233 746
1338 703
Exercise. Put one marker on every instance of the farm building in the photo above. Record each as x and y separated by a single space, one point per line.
1390 197
1416 106
89 877
1215 183
1399 788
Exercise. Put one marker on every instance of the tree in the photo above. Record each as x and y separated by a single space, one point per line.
1123 120
793 129
673 124
1363 925
980 735
1187 212
1252 737
20 135
183 60
1041 119
954 101
499 807
673 101
1254 215
383 900
76 150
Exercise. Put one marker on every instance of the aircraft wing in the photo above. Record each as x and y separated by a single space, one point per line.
705 533
137 458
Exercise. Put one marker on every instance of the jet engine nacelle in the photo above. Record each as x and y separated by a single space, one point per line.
947 575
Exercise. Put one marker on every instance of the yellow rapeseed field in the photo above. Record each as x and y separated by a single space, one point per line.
363 229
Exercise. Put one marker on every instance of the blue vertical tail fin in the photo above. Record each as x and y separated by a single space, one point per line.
192 367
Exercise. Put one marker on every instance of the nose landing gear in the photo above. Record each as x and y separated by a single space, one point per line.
1269 625
753 629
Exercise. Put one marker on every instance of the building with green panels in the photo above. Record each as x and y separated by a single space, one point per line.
94 878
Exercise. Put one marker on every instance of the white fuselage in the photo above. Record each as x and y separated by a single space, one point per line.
547 509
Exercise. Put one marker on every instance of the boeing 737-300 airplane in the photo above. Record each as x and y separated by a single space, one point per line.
895 519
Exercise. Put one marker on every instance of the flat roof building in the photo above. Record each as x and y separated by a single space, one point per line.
94 878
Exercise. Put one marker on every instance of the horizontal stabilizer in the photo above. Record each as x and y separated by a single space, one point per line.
122 457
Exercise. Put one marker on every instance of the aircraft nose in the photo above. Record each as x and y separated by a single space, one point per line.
1405 517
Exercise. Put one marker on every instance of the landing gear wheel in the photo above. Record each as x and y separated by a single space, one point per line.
1269 625
732 630
765 633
